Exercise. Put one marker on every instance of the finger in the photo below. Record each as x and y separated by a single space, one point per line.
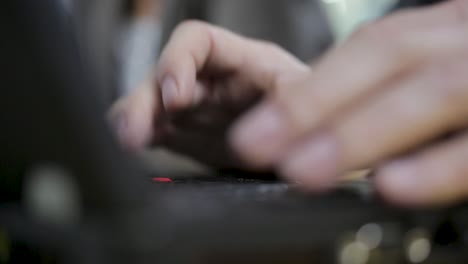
134 116
436 176
347 75
195 46
402 117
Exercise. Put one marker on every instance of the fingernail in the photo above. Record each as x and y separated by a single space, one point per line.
169 92
399 175
259 133
400 182
314 163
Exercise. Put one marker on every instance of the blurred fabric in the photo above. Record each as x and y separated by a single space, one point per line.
297 25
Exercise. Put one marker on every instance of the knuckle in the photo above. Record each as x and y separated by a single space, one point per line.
276 73
183 30
274 47
191 25
386 35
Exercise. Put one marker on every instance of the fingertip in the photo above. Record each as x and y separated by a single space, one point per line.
131 119
305 179
400 183
256 137
177 93
118 119
169 93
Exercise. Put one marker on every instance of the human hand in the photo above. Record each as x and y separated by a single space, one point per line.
394 88
205 78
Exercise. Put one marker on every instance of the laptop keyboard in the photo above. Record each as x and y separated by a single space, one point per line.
239 190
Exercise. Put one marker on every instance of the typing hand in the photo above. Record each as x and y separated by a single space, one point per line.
396 87
205 78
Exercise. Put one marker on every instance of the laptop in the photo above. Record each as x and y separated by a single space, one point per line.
69 194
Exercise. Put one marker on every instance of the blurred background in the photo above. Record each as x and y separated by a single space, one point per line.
123 37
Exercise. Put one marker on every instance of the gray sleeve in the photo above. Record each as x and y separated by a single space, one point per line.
297 25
